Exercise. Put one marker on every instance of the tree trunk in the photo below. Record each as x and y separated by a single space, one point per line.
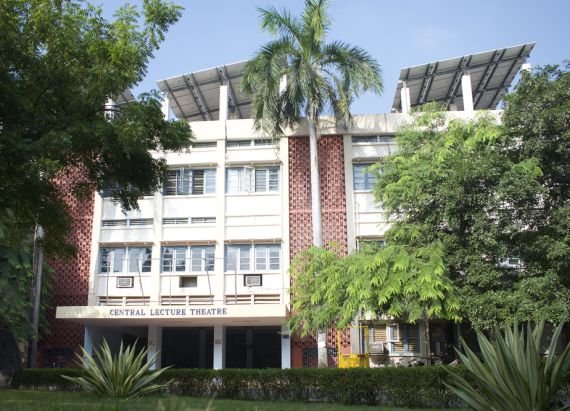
315 186
317 225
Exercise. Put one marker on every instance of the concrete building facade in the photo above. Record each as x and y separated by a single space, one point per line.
201 271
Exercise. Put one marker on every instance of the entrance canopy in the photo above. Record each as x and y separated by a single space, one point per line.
173 316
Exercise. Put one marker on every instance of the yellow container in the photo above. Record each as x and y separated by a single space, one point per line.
353 361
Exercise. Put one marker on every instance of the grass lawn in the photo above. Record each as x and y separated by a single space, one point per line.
20 400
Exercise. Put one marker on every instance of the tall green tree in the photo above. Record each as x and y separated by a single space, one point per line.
480 220
299 75
60 63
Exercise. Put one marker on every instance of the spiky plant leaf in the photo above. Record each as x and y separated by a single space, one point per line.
125 375
512 373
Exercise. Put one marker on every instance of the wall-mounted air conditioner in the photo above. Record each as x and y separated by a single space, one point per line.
125 282
252 280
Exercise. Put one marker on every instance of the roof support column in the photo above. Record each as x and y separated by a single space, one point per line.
405 98
467 92
165 106
223 103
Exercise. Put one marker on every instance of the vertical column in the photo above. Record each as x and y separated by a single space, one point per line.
467 92
88 340
156 279
405 98
219 347
154 345
219 275
165 106
285 347
349 193
96 283
223 103
285 245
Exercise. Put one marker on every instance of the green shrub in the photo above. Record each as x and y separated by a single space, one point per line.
124 375
389 386
512 373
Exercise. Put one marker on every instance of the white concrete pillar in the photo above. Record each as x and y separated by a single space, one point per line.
223 103
405 98
88 340
323 359
467 92
285 347
154 345
165 106
219 347
109 109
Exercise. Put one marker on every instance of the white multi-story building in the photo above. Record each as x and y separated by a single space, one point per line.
200 271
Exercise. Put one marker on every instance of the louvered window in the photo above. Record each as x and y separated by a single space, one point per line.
184 181
249 179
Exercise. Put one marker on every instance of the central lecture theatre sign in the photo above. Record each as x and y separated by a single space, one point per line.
151 312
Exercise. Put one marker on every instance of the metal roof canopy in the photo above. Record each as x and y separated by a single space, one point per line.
125 97
196 96
492 73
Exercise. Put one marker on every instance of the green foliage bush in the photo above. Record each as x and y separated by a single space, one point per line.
126 374
512 370
389 386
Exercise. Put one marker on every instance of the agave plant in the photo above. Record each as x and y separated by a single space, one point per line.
125 375
513 374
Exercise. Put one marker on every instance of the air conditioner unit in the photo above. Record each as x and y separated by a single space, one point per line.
376 347
252 280
125 282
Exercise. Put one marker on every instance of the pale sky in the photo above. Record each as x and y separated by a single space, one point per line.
398 34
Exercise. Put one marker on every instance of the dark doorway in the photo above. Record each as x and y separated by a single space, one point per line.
188 347
258 347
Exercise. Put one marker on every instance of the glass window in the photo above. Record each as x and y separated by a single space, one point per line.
248 179
363 178
265 257
190 181
140 259
403 338
112 260
201 258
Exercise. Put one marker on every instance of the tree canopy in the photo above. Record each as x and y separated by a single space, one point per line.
299 75
61 62
480 221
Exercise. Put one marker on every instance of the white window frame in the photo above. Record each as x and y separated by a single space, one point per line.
247 179
184 180
402 336
122 262
182 259
374 139
369 178
252 258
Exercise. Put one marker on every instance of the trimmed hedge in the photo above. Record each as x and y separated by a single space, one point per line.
388 386
411 387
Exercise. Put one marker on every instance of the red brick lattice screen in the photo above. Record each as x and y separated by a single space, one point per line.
333 203
71 279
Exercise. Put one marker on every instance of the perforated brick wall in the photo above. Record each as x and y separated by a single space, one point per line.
333 206
71 277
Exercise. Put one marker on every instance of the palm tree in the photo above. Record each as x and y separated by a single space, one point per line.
299 75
